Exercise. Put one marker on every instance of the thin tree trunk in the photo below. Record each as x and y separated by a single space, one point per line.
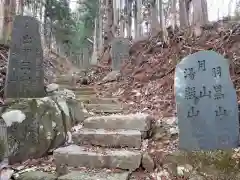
115 18
9 13
154 20
183 13
108 32
200 14
138 27
101 14
94 54
174 14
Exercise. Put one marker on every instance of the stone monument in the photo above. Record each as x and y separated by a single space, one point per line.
206 103
119 52
25 76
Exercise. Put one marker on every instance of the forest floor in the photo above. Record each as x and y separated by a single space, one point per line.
147 79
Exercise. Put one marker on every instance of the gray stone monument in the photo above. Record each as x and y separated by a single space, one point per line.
25 76
206 103
119 52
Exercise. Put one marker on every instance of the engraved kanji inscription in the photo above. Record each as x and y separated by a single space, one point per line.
206 103
193 112
189 73
190 93
218 92
27 39
202 65
25 76
217 71
204 93
220 111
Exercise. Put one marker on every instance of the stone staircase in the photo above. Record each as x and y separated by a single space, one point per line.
105 142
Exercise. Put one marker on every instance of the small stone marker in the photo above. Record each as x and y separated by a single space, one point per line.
206 103
119 52
25 76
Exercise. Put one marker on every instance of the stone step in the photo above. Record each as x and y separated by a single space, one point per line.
104 108
96 100
81 92
108 138
139 121
73 88
91 175
94 157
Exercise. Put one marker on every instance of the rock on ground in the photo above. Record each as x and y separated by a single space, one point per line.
37 126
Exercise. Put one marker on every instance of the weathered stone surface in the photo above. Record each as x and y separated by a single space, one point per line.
37 126
76 111
104 108
96 100
206 103
33 127
88 92
147 162
64 80
76 156
165 128
74 88
101 175
139 121
112 76
65 94
108 138
37 175
25 76
119 52
52 87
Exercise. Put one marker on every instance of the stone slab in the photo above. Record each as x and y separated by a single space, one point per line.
139 121
94 157
95 100
101 175
36 175
108 138
73 88
25 76
85 92
119 51
105 108
206 101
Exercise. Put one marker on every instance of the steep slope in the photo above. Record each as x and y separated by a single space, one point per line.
147 82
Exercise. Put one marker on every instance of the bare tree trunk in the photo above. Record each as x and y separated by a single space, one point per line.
200 14
154 20
174 14
138 19
121 20
183 13
94 54
101 14
108 32
115 18
160 14
128 9
20 8
9 13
